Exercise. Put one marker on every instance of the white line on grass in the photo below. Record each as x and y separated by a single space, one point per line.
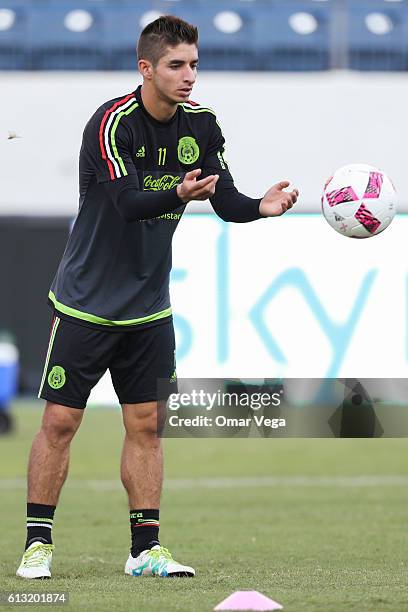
232 482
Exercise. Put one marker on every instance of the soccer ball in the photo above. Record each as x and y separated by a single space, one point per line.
359 201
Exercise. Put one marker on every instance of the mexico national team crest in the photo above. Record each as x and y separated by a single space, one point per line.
57 378
188 150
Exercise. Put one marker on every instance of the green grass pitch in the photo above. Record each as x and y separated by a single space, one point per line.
317 539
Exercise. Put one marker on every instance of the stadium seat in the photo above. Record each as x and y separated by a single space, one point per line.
377 35
63 38
13 34
293 36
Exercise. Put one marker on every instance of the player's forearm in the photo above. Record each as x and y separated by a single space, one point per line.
135 205
231 205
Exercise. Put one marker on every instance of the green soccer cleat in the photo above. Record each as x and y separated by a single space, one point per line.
36 561
157 562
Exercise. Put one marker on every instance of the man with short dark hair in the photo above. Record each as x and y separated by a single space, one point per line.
144 156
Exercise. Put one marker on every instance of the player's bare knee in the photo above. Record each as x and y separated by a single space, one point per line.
140 420
60 424
145 427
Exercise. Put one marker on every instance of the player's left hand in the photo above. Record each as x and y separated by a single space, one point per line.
276 201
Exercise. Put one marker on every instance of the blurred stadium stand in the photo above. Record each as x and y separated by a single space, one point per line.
281 35
377 35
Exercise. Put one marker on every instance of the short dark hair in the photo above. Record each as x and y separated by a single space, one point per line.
166 31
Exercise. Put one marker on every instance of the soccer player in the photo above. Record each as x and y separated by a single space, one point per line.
144 156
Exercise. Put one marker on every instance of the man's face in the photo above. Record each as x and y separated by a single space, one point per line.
175 73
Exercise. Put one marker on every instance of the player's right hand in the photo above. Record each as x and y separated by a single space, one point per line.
192 189
276 201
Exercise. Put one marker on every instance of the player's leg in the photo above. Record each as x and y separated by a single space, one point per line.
76 359
47 471
49 456
142 477
142 473
146 355
142 447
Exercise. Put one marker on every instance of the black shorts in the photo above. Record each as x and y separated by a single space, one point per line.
78 356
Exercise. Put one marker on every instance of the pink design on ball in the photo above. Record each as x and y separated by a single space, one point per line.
367 219
374 185
345 194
